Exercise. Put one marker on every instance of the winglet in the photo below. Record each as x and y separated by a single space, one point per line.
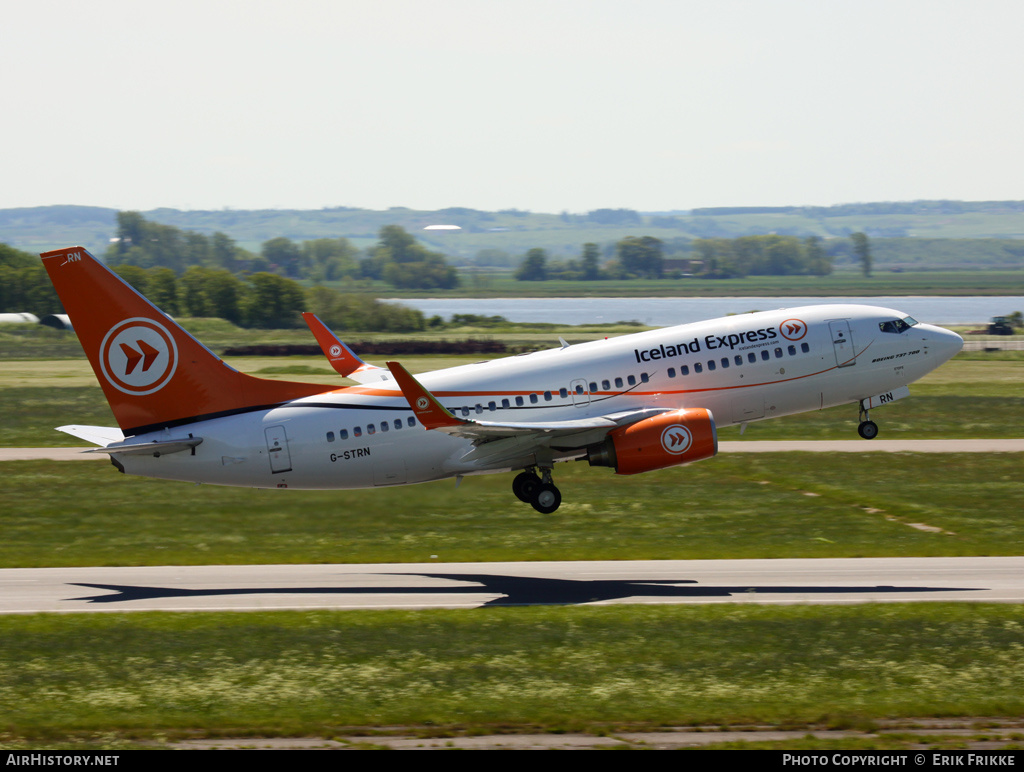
341 357
431 413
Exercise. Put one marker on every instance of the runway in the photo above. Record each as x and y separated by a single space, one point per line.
734 446
479 585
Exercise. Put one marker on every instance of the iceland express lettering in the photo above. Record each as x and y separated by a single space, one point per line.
711 342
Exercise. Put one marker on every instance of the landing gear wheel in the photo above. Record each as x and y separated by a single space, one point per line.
525 486
546 498
868 430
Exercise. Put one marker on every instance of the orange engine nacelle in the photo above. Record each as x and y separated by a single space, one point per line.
665 440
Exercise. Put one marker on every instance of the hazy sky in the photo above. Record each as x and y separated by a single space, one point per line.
545 105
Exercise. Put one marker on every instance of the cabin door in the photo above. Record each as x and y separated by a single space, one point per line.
277 447
842 342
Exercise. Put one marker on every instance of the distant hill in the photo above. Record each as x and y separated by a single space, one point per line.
36 229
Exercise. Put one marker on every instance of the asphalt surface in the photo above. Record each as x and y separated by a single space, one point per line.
476 585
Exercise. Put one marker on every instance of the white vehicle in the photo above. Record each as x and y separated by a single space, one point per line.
633 403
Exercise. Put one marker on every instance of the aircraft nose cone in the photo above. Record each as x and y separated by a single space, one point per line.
947 343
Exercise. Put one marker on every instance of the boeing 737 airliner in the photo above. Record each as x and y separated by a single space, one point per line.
635 403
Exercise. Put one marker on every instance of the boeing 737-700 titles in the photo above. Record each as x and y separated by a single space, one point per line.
635 403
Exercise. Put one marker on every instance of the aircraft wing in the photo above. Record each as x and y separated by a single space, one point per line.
341 357
433 415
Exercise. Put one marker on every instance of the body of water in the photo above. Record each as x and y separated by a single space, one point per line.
664 312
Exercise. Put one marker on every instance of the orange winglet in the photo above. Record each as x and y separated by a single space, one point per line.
338 354
431 413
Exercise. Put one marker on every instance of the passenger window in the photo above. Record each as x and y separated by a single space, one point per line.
547 396
606 385
792 351
805 347
579 388
411 421
618 383
711 364
684 370
644 377
593 387
370 429
563 393
357 432
778 353
765 355
533 399
384 426
738 360
330 436
343 434
697 367
492 406
505 405
751 357
398 423
631 380
671 372
519 401
725 361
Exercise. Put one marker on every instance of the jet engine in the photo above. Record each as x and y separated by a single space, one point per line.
669 439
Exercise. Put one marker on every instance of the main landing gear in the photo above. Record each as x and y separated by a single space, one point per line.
868 429
538 491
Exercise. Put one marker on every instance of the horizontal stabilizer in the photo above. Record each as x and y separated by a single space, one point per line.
97 435
159 448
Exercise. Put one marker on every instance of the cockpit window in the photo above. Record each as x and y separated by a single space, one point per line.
898 325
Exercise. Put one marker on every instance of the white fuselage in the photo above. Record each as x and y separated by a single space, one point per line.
742 368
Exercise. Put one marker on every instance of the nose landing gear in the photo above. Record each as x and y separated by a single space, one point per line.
538 491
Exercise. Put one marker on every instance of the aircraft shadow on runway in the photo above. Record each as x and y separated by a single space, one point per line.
513 590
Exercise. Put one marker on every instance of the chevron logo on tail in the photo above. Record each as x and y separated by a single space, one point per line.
138 356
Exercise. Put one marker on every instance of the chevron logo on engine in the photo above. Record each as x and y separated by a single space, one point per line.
676 439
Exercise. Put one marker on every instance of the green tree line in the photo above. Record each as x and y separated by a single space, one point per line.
645 258
770 255
24 284
397 259
260 300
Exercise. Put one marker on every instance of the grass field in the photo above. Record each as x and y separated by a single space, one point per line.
777 505
105 678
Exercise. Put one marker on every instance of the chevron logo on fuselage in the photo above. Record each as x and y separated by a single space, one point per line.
793 329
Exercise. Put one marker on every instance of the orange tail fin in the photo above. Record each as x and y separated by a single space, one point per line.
153 373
